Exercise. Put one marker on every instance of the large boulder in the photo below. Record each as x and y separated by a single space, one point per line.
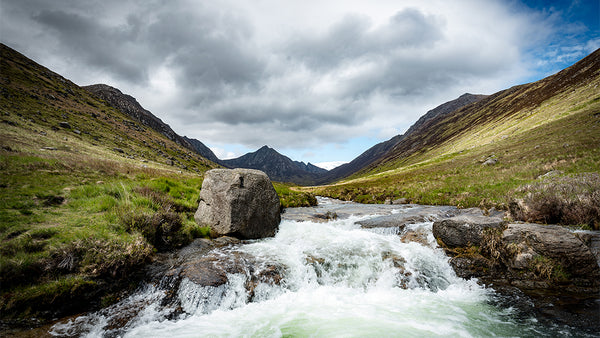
238 202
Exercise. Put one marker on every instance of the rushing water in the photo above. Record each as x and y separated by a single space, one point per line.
337 280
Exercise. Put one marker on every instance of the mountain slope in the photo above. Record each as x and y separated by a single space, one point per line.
381 150
57 114
203 150
278 167
469 123
483 154
129 105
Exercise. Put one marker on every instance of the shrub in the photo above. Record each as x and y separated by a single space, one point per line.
162 229
568 200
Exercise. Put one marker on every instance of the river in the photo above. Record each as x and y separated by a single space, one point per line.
334 279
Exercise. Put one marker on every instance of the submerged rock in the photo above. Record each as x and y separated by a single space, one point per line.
240 203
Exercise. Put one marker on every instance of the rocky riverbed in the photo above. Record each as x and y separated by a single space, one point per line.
354 270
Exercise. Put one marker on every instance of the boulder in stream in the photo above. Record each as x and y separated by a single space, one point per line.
238 202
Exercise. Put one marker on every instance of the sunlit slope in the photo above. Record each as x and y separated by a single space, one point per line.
551 124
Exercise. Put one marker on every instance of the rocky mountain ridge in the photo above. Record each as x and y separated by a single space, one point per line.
278 167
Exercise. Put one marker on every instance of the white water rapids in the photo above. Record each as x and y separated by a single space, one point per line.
338 280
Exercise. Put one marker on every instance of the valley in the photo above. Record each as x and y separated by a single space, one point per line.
94 187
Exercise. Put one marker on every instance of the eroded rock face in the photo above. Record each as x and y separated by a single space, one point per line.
556 247
239 202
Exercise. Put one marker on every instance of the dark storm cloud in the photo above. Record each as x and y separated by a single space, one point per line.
354 38
207 48
104 47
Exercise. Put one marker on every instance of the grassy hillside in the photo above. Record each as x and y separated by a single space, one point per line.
87 194
528 131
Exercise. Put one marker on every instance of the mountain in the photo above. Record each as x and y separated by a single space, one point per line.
513 104
489 151
97 121
278 167
381 150
311 168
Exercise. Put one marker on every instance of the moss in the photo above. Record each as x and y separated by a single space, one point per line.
548 269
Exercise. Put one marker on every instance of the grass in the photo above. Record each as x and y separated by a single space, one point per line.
289 196
569 200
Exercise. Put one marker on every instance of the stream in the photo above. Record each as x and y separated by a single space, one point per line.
322 275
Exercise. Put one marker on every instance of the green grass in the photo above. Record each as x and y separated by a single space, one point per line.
288 197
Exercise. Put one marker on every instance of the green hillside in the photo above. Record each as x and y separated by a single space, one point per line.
552 125
88 195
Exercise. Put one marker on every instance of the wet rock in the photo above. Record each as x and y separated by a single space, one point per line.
402 200
239 202
387 221
207 271
225 241
465 230
418 236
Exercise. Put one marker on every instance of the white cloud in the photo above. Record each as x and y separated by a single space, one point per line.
330 165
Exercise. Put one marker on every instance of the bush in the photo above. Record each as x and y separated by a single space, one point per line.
568 200
163 229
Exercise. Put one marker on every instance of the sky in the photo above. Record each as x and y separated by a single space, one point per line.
320 81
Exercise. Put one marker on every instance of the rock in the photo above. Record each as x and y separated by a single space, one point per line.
119 150
77 131
238 202
551 173
418 236
65 125
490 161
49 148
592 240
402 200
554 243
465 230
387 221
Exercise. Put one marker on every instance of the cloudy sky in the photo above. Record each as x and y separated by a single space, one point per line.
319 81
